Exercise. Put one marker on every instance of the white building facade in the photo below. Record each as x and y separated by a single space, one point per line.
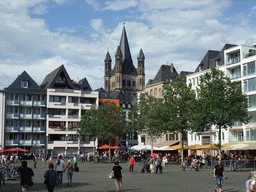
2 118
239 65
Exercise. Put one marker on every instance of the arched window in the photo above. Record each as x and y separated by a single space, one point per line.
140 81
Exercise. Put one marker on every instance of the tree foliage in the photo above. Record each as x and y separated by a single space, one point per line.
106 121
220 102
144 117
178 108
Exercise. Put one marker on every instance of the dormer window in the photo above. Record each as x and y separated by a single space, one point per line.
24 84
123 105
103 95
129 106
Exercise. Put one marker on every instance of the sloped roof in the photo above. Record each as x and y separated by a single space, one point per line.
107 58
52 77
102 91
149 82
220 57
206 63
183 74
84 85
165 74
17 87
127 63
141 55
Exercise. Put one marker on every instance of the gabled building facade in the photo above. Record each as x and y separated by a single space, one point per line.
67 101
25 108
124 76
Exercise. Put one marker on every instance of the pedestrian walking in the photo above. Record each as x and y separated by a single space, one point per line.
117 170
35 160
51 178
75 162
253 182
132 164
152 163
60 166
158 164
1 177
26 175
219 175
248 182
70 169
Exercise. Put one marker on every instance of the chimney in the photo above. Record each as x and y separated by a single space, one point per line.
171 67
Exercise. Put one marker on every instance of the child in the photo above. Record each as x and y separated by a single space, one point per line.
183 165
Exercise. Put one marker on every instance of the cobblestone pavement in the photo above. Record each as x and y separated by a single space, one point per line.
94 177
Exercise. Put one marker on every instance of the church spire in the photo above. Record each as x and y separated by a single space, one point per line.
107 58
124 45
141 55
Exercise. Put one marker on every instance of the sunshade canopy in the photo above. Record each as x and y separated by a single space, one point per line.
16 149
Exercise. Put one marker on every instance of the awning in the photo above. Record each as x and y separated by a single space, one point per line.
166 143
194 147
177 147
240 146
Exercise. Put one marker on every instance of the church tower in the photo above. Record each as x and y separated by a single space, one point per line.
140 71
124 77
118 70
107 71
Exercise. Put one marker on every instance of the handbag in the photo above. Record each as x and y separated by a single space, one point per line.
111 176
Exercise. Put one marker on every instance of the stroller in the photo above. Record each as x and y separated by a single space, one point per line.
145 168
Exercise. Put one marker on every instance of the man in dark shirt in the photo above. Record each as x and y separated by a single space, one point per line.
219 175
26 174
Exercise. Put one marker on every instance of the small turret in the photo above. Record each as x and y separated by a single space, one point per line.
141 55
107 61
108 58
118 56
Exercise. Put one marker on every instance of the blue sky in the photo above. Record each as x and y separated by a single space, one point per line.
40 35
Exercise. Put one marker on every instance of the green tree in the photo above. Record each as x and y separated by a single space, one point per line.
177 112
144 117
89 125
106 122
220 102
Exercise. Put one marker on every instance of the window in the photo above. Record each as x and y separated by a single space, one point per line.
171 137
191 137
129 83
24 84
151 91
252 101
249 68
129 106
189 81
223 136
193 80
133 84
28 97
166 137
235 73
160 90
155 91
124 82
140 81
28 123
123 105
106 83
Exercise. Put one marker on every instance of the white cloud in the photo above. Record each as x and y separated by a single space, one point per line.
65 29
39 9
93 3
120 4
97 24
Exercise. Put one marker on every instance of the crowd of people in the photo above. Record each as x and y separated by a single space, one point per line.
152 164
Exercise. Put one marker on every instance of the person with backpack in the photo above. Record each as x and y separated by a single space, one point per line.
51 178
70 168
60 166
26 175
159 164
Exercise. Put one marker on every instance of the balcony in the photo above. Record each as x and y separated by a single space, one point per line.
11 142
56 128
73 117
39 103
39 142
12 102
25 142
25 129
12 129
25 116
63 143
12 115
26 103
233 59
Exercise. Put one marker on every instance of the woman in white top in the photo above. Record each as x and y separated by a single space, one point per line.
253 182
